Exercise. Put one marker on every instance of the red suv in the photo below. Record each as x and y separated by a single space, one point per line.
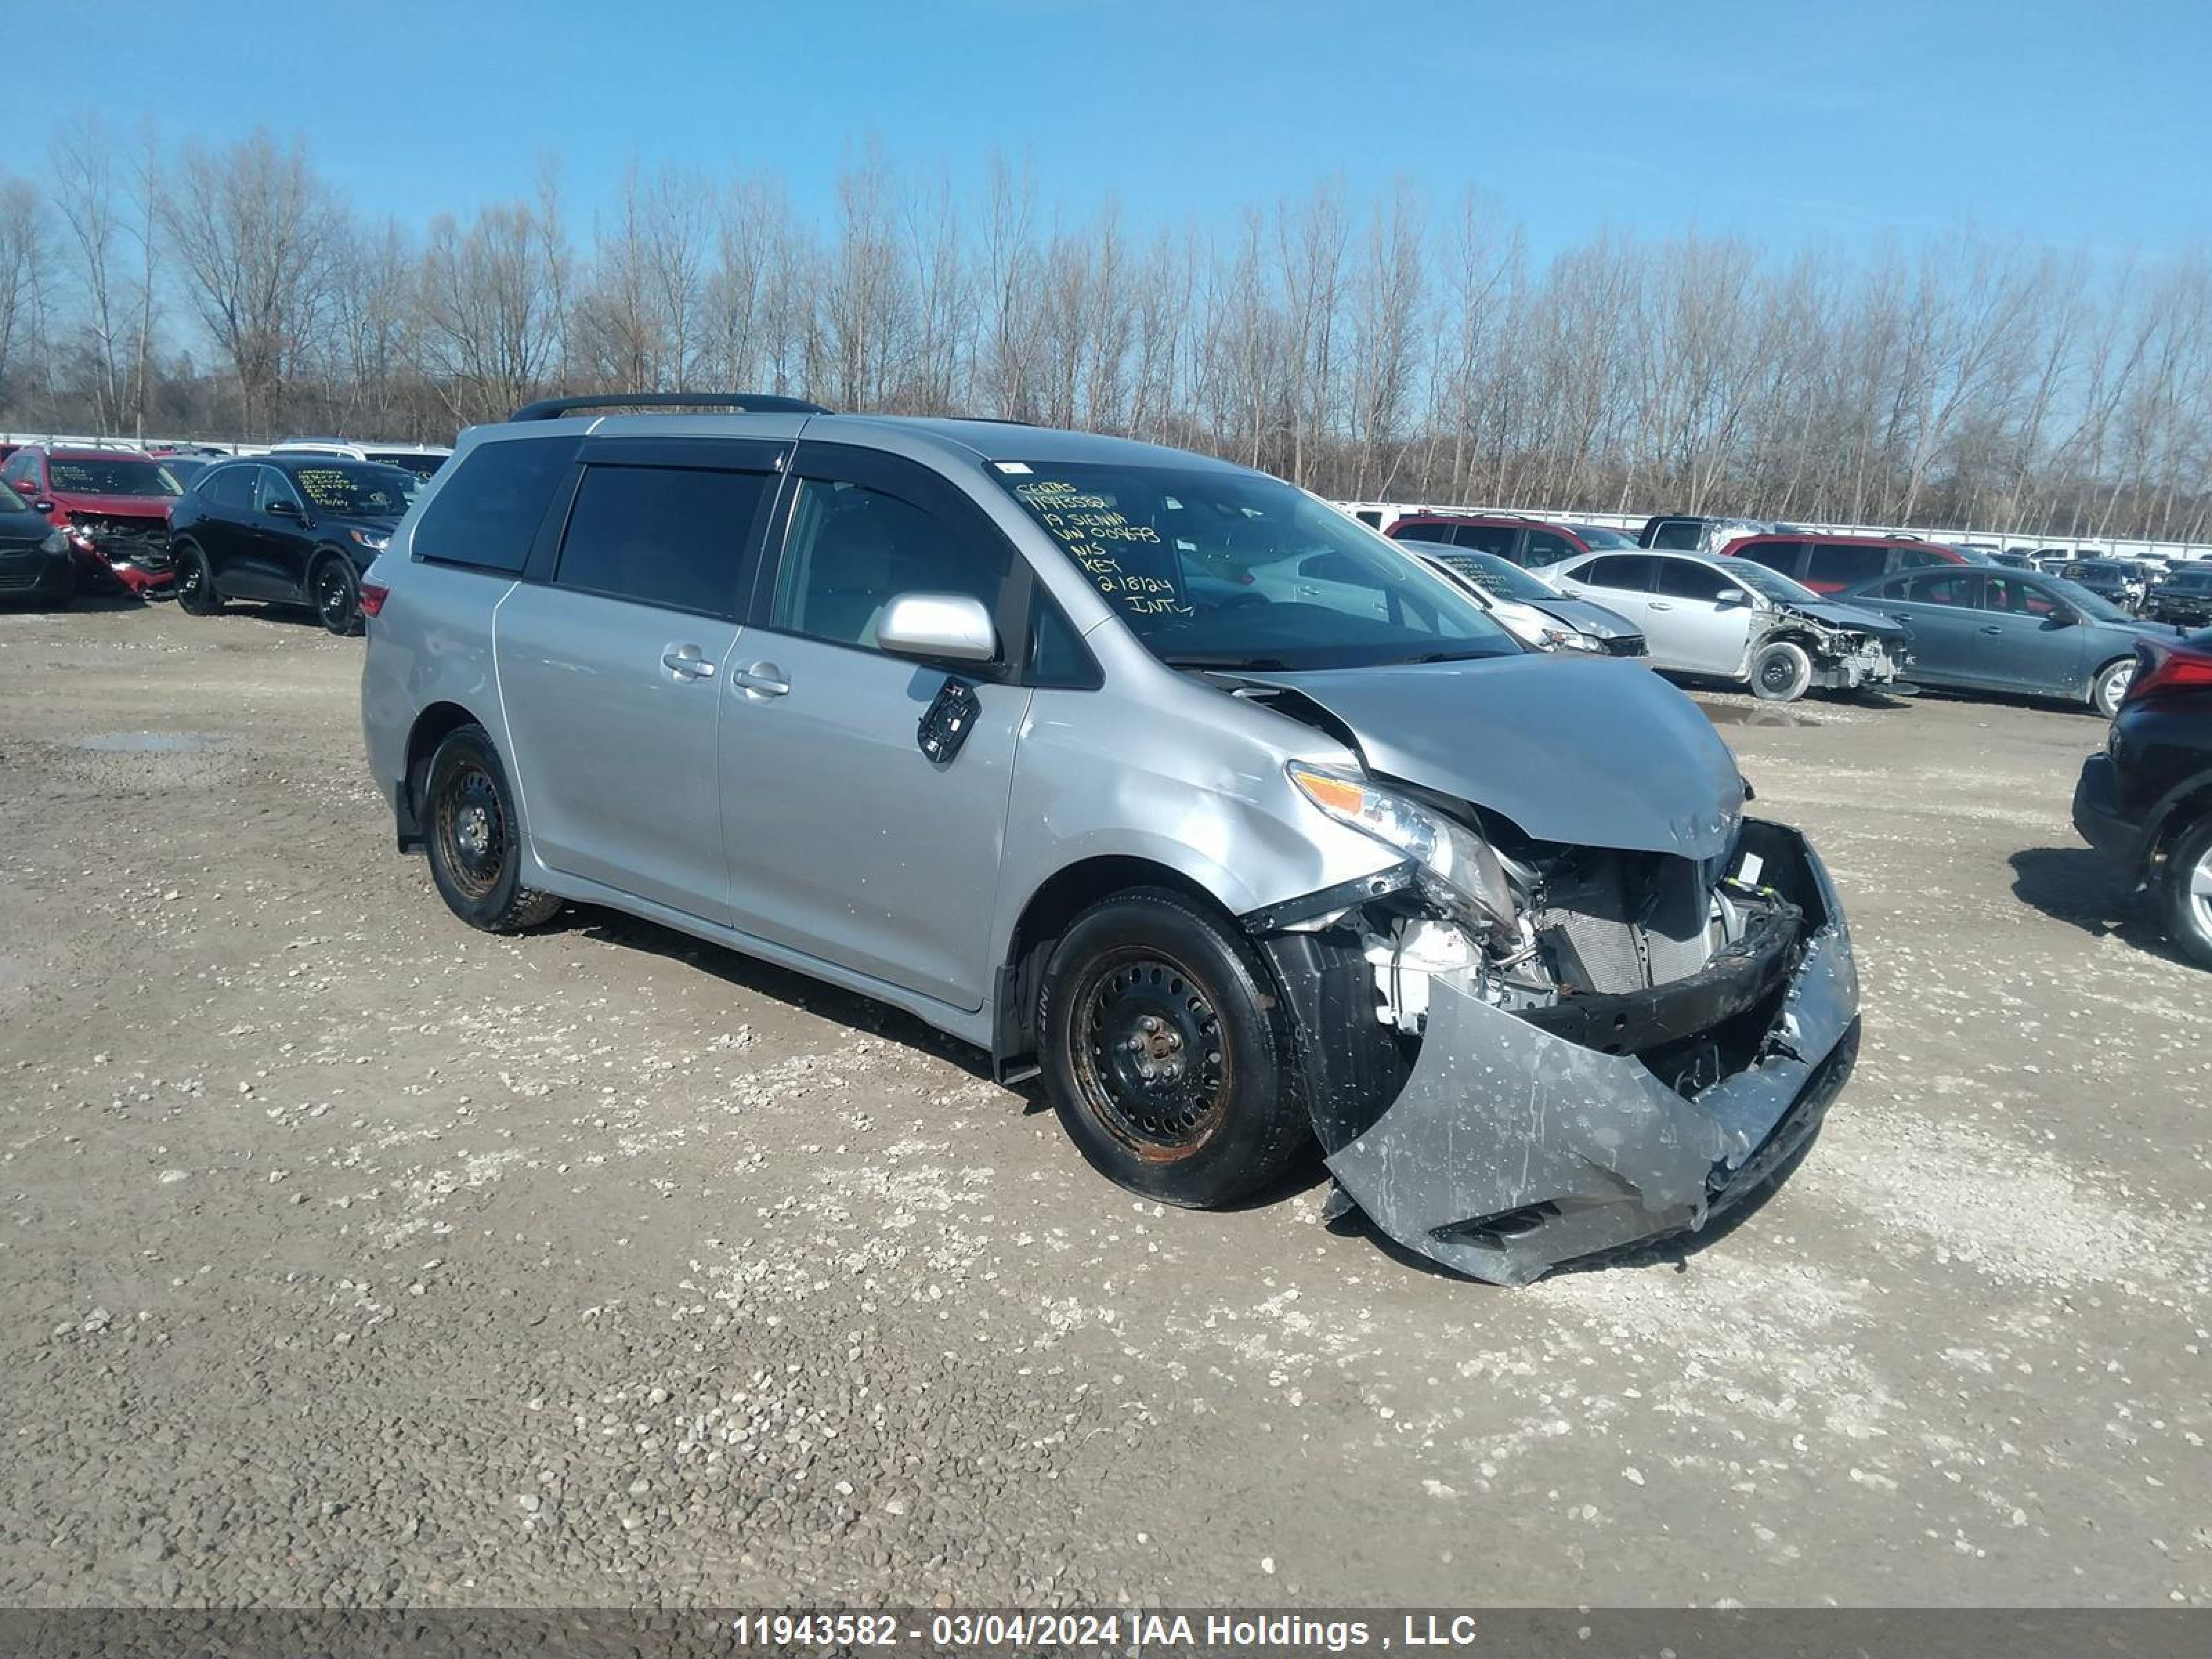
1530 543
113 503
1829 564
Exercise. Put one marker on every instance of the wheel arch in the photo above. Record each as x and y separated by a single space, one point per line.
433 726
1054 904
2178 812
2090 686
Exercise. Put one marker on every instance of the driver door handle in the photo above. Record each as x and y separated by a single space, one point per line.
685 662
1992 627
1659 604
763 679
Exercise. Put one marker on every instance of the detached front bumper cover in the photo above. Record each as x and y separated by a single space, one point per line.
1510 1149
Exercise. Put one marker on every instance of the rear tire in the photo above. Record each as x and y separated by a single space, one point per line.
2184 893
336 594
2111 685
195 582
1166 1052
1780 672
474 837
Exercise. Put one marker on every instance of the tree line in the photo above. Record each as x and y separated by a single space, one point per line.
1381 348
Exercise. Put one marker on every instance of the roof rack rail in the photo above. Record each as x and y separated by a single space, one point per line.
745 402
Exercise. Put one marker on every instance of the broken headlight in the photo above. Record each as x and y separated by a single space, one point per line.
1460 873
1566 639
56 542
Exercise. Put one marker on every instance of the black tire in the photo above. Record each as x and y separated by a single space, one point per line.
2184 893
335 591
2109 685
1780 672
194 582
1166 1053
473 837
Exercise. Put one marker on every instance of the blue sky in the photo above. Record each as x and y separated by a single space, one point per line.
1794 121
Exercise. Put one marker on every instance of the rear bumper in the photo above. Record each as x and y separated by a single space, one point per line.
2097 815
1511 1149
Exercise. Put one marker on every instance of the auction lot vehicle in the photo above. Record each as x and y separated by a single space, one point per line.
36 565
1734 620
423 460
1522 541
1690 533
2146 801
112 505
2012 630
1530 608
291 530
2183 597
1829 564
2108 579
1021 731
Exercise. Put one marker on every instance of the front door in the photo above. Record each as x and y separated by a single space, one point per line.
613 672
1705 615
2030 641
844 841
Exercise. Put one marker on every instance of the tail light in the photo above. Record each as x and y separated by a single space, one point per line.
373 596
2163 668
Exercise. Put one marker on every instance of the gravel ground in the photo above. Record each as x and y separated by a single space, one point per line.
349 1256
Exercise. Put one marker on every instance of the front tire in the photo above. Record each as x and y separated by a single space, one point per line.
336 594
474 837
2111 685
195 582
2184 893
1166 1053
1780 672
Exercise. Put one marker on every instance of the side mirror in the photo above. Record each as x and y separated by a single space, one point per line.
938 627
2064 616
281 508
1731 596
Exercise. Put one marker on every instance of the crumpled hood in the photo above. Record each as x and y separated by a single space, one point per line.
1587 617
1588 751
1856 618
154 508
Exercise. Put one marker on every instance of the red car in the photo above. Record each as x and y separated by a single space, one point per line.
1829 564
114 504
1531 543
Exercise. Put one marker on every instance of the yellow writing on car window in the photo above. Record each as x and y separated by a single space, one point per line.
1087 524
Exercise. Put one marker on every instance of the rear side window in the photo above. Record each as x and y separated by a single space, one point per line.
1622 570
1775 556
1545 548
488 513
1680 533
675 536
1916 558
1486 538
1841 564
230 488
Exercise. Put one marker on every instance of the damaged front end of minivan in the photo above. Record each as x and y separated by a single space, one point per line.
1600 1006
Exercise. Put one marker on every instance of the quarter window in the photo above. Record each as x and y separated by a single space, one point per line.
1679 533
1545 548
1775 556
487 514
1841 565
667 536
851 550
1486 538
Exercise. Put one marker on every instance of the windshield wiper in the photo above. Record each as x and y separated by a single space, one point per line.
1264 665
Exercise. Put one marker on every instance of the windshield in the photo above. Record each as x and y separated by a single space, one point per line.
119 477
1597 535
2092 606
1496 575
2190 581
1232 570
1772 584
357 489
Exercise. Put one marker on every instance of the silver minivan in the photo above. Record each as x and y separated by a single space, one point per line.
1161 780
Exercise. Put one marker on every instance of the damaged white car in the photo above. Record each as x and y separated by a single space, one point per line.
1732 620
1159 779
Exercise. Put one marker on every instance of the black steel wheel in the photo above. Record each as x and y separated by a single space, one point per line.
1166 1052
474 837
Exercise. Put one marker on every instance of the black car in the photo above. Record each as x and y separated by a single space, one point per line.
36 565
2183 596
2108 579
286 530
2147 800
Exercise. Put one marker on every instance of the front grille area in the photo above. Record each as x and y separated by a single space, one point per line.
143 542
1625 922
